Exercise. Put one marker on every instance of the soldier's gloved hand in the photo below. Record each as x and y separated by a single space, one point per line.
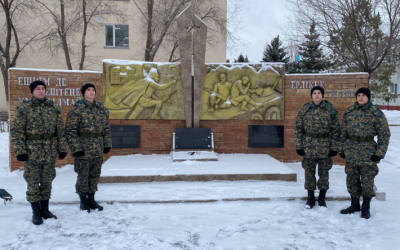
23 157
375 158
62 155
106 150
79 153
332 153
342 155
300 152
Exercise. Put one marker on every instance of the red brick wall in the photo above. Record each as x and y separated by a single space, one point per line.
230 136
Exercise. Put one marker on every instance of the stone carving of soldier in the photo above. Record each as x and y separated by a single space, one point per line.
37 135
88 133
220 98
147 100
317 140
361 122
140 95
240 93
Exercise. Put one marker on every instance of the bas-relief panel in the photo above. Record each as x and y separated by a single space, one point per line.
140 90
243 91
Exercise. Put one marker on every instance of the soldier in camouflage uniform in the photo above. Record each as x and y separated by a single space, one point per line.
361 122
89 137
316 140
37 135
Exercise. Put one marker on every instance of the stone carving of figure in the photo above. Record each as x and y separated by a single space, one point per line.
142 94
240 93
147 100
220 98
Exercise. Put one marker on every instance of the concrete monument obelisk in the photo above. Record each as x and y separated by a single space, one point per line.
192 48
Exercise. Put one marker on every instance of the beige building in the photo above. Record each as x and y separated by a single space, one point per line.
110 39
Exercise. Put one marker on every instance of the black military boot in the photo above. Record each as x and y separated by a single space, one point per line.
321 198
84 202
310 200
44 208
365 208
354 207
93 204
36 217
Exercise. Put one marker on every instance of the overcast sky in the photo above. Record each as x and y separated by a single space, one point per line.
262 21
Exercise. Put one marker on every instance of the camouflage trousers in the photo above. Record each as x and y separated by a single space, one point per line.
88 171
360 179
310 165
39 175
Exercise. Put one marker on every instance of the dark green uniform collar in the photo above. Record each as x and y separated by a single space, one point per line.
364 107
89 104
39 102
322 104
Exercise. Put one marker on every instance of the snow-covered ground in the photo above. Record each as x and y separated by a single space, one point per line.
274 224
393 116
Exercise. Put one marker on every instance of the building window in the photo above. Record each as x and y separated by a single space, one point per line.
117 35
393 89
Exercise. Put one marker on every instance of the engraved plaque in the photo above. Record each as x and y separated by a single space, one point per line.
193 138
266 136
125 136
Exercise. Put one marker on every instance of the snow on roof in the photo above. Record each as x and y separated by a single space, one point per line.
317 74
131 62
264 66
58 70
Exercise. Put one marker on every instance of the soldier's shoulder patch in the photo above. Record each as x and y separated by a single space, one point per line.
306 106
50 102
349 110
103 108
304 109
106 111
58 109
81 101
333 111
376 110
25 104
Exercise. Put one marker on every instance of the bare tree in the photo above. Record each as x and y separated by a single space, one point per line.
360 33
17 34
73 18
160 29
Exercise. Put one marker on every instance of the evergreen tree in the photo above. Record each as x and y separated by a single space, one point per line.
313 60
381 81
275 52
241 59
294 67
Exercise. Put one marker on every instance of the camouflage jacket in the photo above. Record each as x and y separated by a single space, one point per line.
35 118
321 119
365 121
86 117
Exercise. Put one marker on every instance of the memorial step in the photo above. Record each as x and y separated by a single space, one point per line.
229 167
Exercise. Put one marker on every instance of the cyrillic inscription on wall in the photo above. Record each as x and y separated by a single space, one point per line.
57 90
333 93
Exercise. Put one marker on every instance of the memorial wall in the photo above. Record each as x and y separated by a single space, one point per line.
249 102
